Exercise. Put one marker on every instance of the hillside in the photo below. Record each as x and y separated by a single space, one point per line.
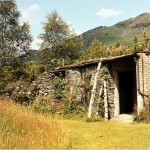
124 31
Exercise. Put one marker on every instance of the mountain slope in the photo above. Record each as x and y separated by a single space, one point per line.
124 31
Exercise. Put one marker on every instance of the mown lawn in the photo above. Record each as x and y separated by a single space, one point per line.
21 128
107 135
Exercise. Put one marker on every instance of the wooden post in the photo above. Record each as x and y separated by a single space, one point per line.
94 90
105 100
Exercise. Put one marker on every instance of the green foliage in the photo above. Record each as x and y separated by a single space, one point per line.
15 39
60 45
43 105
144 116
72 107
58 84
117 45
21 92
100 107
33 70
136 43
15 81
142 44
86 87
96 50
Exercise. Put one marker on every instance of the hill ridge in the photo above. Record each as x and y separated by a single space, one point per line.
123 31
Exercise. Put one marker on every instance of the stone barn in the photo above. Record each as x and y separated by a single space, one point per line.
118 85
123 82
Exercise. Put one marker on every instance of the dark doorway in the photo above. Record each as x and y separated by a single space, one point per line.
127 91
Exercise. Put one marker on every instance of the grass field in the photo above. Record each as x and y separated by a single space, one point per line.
108 135
22 128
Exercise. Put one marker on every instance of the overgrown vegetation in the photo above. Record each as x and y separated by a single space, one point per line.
58 84
143 116
16 79
73 108
21 128
44 105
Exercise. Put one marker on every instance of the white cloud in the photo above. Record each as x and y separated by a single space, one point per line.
73 28
36 43
30 14
33 8
106 13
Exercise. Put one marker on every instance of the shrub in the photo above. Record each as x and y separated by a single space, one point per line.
58 86
43 105
21 92
144 116
72 107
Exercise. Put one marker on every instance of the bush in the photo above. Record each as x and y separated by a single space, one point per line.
58 86
144 116
73 108
22 92
44 105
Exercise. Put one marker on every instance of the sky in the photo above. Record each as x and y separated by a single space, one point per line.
82 15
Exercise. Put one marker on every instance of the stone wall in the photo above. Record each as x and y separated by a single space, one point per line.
144 73
76 83
72 82
144 79
110 91
44 84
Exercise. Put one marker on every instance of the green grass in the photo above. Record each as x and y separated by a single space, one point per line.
108 135
21 128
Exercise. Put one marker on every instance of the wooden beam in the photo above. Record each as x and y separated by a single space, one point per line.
94 90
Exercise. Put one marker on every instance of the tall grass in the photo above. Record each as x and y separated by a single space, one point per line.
22 128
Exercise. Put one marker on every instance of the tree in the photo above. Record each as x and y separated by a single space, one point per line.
96 50
15 39
136 44
60 44
117 45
